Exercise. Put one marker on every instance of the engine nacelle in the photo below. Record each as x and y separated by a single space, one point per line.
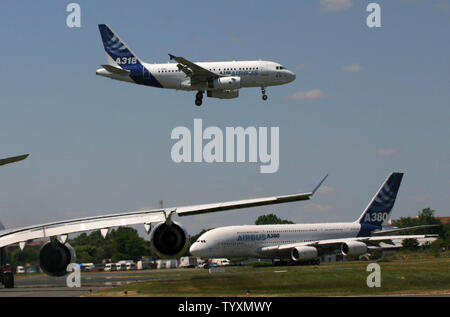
223 94
54 257
168 240
303 253
354 248
225 83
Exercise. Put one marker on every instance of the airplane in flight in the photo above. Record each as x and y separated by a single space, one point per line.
308 242
168 238
219 79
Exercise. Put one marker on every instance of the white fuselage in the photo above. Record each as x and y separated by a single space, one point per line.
251 74
246 241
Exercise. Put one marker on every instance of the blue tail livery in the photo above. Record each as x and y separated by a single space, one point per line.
379 209
121 57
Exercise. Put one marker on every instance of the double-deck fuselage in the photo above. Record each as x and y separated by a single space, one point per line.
247 240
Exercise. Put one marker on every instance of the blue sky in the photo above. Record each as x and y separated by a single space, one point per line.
366 101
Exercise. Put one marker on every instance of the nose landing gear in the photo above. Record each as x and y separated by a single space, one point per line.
199 98
264 96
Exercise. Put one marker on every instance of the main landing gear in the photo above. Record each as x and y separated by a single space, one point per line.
199 98
6 272
264 96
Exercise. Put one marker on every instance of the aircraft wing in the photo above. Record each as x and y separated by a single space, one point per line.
396 230
9 160
196 72
63 228
331 246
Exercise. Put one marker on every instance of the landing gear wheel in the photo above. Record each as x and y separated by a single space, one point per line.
264 96
199 98
9 280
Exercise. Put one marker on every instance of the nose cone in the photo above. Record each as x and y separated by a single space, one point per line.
195 249
291 76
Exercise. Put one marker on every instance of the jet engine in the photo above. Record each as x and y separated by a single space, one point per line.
225 83
54 257
303 253
354 248
168 239
223 94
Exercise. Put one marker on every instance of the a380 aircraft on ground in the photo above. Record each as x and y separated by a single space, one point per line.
298 242
219 79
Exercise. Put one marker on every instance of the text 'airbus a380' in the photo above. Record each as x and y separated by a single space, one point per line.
168 238
219 79
308 242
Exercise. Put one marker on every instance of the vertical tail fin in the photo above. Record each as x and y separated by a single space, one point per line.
117 52
378 211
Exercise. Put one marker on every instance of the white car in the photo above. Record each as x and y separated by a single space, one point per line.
110 267
20 270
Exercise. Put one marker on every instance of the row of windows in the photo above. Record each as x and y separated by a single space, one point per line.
304 230
280 67
211 69
265 242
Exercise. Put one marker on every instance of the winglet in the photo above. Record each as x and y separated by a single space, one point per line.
172 56
317 187
13 159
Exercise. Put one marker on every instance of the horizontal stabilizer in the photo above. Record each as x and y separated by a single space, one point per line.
116 70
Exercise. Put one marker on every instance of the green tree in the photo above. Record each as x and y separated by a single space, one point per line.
424 217
127 244
122 243
29 255
271 219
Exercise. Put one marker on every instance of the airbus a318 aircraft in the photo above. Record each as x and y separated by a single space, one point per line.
219 79
307 242
168 237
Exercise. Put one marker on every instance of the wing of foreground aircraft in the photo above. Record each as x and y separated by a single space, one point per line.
147 217
196 72
14 159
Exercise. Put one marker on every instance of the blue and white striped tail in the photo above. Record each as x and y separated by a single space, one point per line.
118 53
379 209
